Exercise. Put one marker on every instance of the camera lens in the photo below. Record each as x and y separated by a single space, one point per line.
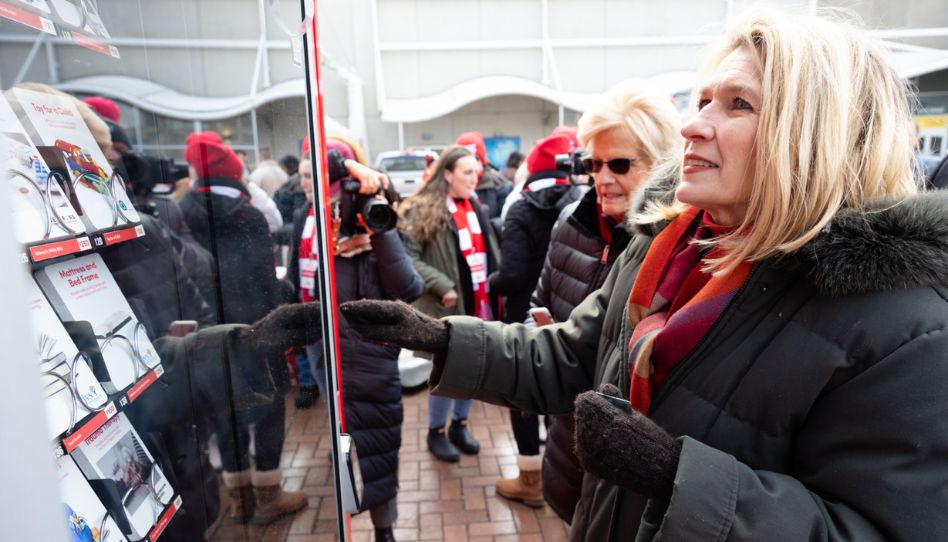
379 216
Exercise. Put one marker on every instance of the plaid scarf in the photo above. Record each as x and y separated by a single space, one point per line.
674 303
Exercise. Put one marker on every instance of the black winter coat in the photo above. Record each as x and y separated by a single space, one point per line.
371 388
526 239
492 189
236 235
155 280
813 409
289 198
577 264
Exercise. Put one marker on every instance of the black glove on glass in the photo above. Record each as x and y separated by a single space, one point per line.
396 323
286 326
627 450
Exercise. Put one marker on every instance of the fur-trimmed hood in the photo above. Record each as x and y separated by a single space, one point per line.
889 245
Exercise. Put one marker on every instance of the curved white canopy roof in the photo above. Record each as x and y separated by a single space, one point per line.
171 103
456 97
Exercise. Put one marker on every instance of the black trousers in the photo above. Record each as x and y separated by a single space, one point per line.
526 430
269 431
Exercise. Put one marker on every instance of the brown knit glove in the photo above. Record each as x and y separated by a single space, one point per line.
627 450
296 324
396 323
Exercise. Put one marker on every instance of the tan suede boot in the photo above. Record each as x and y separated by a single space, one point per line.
240 507
527 487
272 502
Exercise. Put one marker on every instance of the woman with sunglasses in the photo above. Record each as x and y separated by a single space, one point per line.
624 132
780 328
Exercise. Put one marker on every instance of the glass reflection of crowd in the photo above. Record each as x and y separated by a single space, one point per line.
546 231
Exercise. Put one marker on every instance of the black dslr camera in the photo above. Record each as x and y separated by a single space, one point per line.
571 163
377 215
145 171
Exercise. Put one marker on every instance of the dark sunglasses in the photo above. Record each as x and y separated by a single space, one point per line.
619 166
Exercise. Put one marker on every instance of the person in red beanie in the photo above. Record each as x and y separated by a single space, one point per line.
105 108
527 227
219 212
492 186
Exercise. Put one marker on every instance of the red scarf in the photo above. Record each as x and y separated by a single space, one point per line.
474 249
308 258
674 303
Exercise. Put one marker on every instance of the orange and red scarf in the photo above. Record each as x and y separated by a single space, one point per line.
674 303
473 248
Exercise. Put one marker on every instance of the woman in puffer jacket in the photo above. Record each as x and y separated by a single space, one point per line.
770 354
626 130
368 265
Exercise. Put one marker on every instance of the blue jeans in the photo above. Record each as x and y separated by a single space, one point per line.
438 408
304 371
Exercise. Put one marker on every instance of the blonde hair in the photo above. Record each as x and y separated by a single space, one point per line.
425 214
831 132
646 117
269 176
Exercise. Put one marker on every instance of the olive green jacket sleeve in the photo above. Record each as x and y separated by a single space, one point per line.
436 281
538 369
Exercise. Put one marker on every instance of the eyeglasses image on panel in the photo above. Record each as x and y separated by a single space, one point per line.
99 193
71 389
76 14
40 209
128 339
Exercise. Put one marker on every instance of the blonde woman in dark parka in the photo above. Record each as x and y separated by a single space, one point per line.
780 325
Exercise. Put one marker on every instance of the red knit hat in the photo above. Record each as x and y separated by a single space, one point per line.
105 108
474 142
542 156
569 132
210 157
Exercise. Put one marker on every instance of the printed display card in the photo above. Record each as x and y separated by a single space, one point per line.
83 289
39 208
125 475
86 516
66 142
69 385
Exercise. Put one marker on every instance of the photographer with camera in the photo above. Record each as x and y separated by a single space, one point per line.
371 263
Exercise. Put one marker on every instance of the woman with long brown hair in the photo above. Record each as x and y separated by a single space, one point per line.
451 243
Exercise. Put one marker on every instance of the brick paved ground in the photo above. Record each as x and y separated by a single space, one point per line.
436 501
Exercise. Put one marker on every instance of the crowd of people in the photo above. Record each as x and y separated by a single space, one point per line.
734 327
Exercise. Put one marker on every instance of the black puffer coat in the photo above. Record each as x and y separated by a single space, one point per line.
371 388
813 409
236 235
525 241
577 264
